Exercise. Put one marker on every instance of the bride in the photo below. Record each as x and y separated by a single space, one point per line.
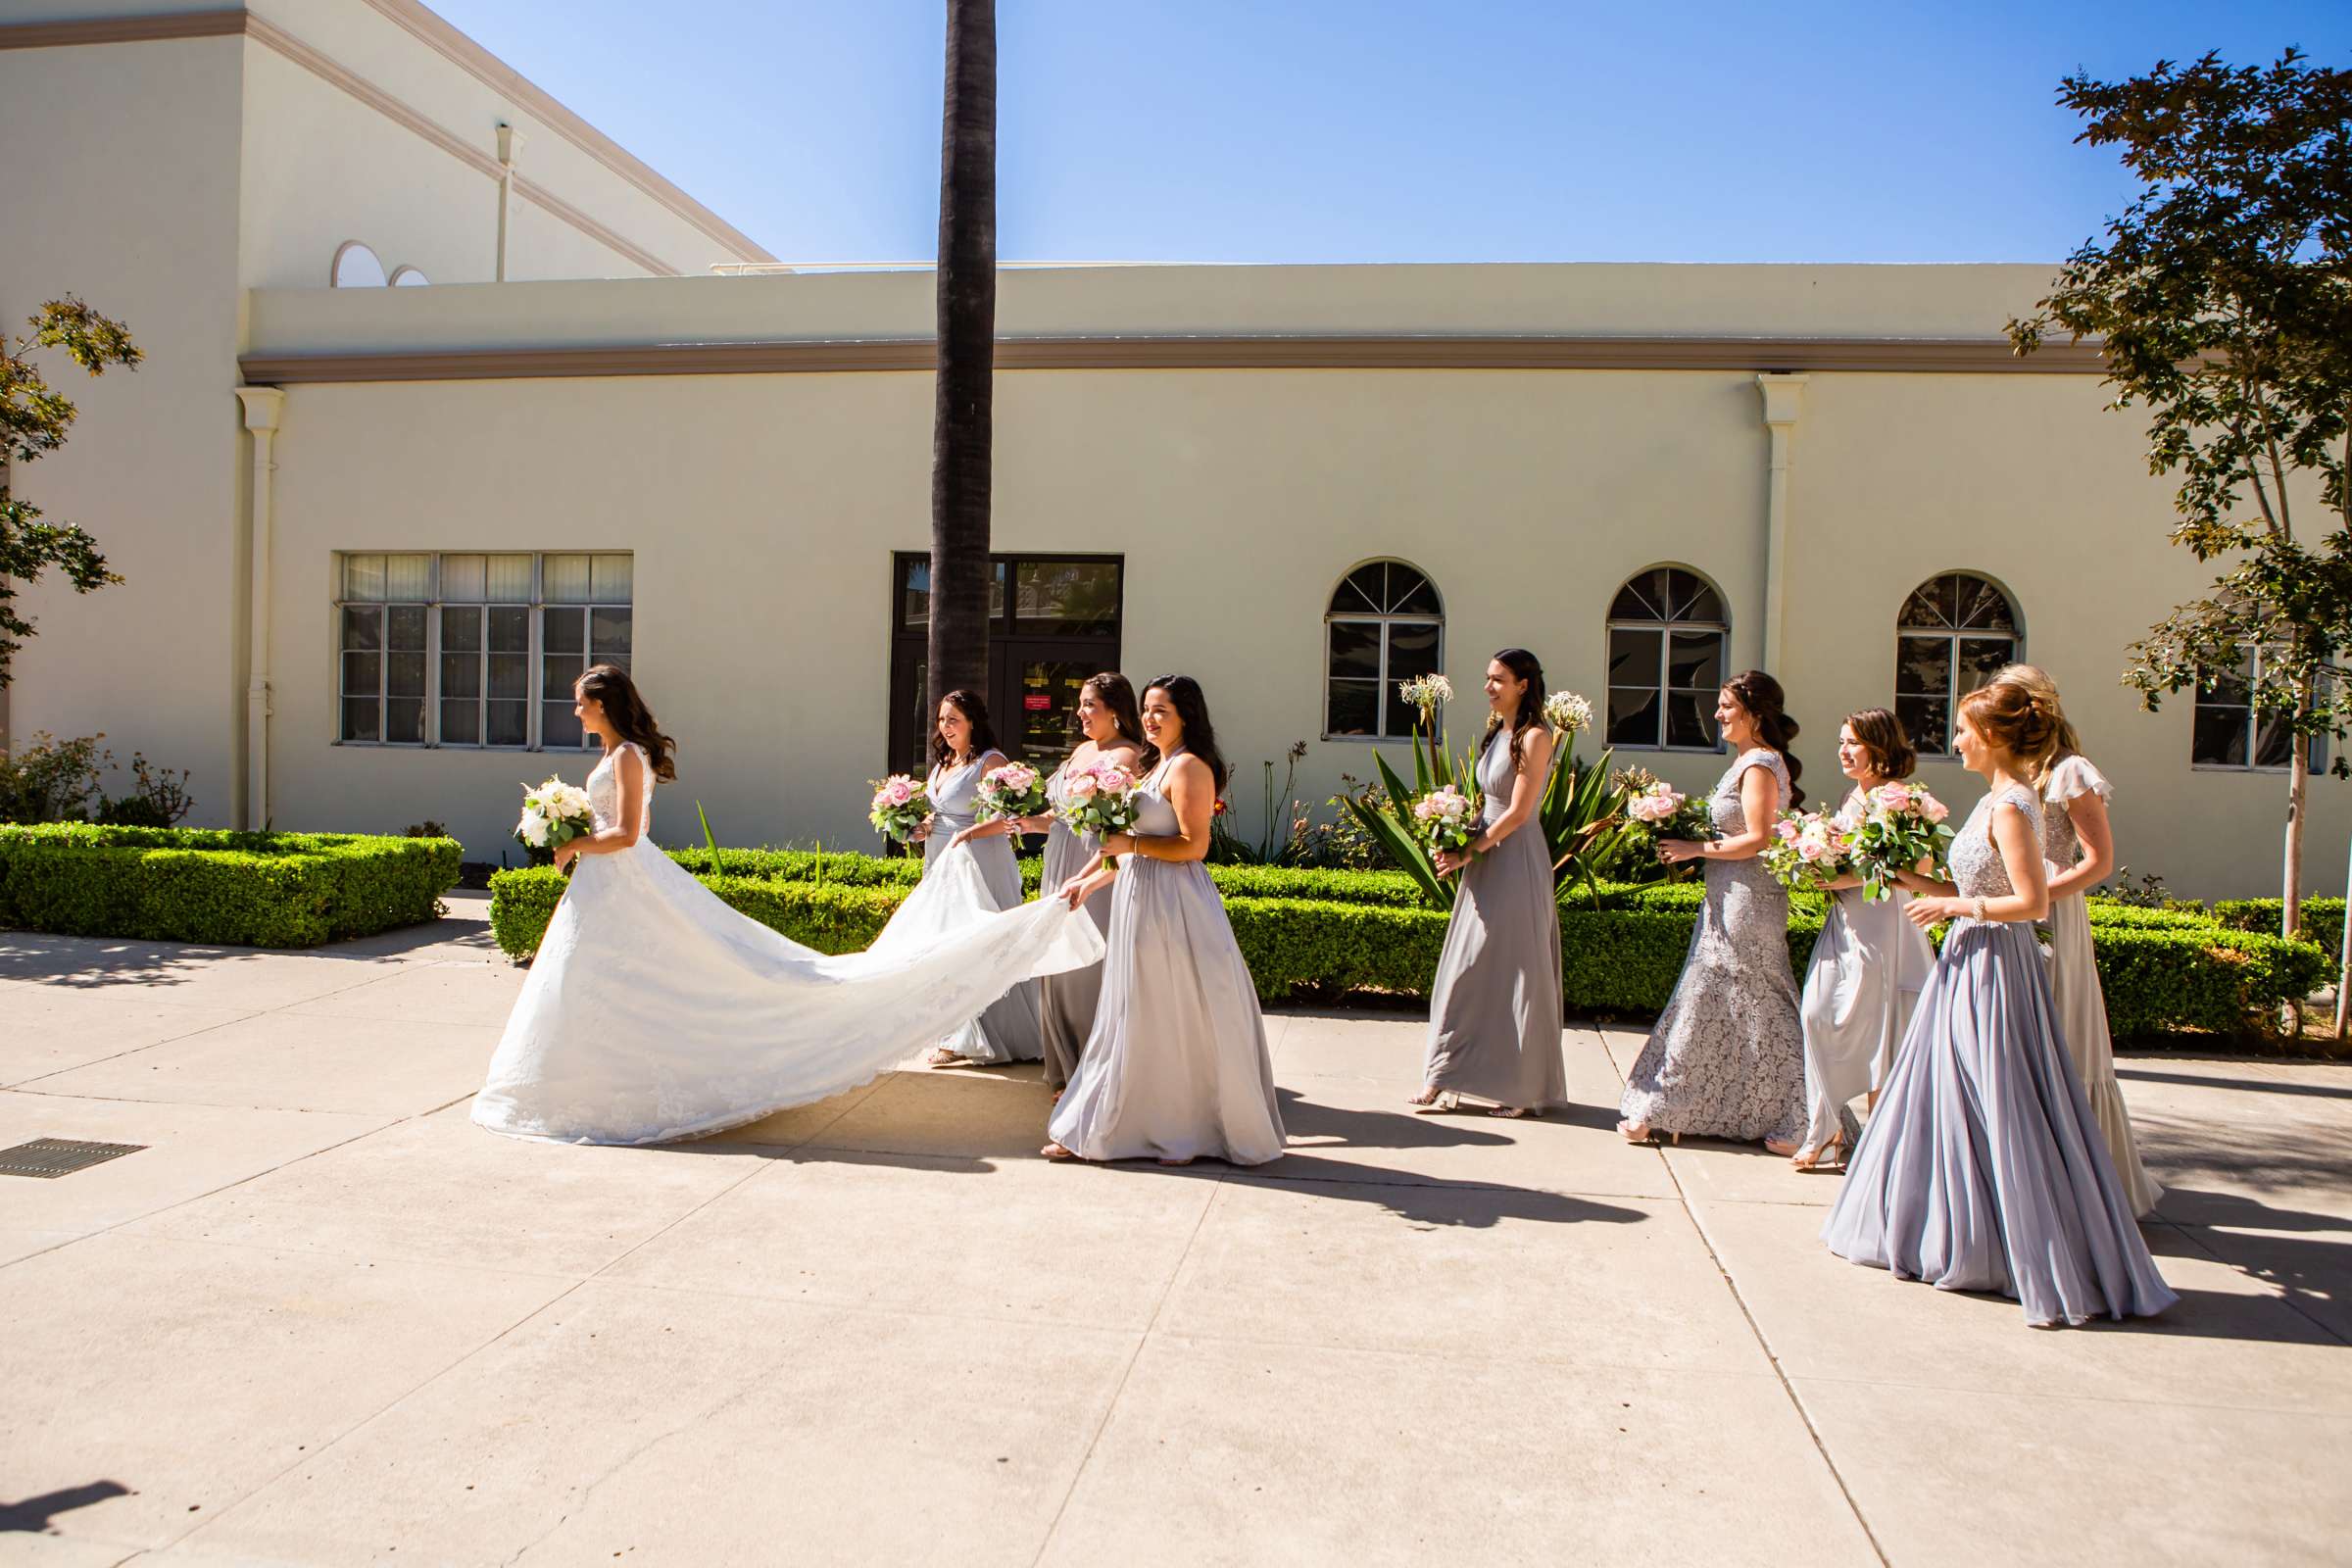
655 1013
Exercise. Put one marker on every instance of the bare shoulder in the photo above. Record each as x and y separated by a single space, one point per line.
1192 771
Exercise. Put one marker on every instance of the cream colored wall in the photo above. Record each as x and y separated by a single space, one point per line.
763 512
126 193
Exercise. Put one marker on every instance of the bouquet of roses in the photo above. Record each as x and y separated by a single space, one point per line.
1661 812
553 814
1900 825
901 807
1808 849
1446 816
1015 790
1098 800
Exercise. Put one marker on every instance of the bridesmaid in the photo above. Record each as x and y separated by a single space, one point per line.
1727 1059
1113 732
1868 964
1981 1168
1495 1012
2078 844
963 746
1176 1066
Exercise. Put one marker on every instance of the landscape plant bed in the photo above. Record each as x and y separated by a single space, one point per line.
258 889
1313 935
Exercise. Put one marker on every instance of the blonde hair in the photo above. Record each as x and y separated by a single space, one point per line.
2018 720
2035 683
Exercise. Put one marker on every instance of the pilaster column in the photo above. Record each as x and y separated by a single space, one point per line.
509 141
262 405
1783 402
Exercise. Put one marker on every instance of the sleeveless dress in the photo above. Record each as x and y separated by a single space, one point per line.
1176 1067
1981 1168
1860 987
655 1013
1009 1029
1067 1001
1727 1059
1494 1012
2075 979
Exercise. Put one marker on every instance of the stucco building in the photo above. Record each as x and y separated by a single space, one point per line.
370 533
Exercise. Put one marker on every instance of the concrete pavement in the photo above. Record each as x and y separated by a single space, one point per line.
324 1319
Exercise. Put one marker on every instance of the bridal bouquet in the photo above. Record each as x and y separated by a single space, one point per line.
1015 790
1901 824
1659 811
1445 816
1098 800
553 814
1808 849
901 807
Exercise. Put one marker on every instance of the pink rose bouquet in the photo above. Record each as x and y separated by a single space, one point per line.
1015 790
1659 811
1098 800
901 807
1900 824
1445 816
1808 850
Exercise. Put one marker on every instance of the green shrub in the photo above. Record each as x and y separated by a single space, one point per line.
277 890
2222 982
1325 948
2322 920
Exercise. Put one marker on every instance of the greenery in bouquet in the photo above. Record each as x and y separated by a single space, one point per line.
1445 817
1657 810
1900 826
553 814
1808 850
901 807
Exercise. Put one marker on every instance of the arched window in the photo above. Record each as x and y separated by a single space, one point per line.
1385 625
356 267
1953 633
1667 636
408 277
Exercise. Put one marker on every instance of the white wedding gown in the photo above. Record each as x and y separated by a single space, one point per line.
655 1013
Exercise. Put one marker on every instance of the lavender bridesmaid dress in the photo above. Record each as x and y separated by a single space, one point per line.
1067 1006
1010 1030
1983 1168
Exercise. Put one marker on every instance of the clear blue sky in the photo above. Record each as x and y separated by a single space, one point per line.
1369 130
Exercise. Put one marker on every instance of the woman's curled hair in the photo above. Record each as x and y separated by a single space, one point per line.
633 721
1762 697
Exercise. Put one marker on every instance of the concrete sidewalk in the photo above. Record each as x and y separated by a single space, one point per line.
321 1318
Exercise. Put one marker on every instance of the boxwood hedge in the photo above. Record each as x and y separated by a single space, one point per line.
263 890
1323 933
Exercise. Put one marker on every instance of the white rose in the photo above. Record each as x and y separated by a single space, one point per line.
535 830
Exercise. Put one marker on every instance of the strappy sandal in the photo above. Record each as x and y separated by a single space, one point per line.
944 1057
1518 1112
1433 1100
1642 1135
1830 1156
1056 1151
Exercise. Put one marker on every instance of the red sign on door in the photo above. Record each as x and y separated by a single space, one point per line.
1038 702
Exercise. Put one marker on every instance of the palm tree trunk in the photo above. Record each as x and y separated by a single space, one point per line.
963 422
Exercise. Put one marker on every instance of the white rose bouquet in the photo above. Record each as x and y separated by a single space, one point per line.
1015 790
1445 816
901 807
553 814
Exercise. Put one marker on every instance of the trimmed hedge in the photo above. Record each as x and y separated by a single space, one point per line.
258 889
2322 920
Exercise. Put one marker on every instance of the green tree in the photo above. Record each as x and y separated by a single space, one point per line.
35 418
2223 300
962 413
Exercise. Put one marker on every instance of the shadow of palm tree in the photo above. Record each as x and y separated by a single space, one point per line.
2131 1072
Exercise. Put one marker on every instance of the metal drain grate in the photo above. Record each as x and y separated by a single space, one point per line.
59 1156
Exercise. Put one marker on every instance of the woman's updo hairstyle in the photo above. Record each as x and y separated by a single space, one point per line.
1891 755
625 710
2017 719
1764 700
2036 682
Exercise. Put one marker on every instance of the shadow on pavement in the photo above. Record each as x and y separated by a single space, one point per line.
33 1514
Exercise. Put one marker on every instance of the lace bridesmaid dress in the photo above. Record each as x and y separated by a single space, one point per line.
2075 979
1176 1067
1067 1001
1860 987
655 1013
1494 1012
1727 1059
1011 1029
1983 1168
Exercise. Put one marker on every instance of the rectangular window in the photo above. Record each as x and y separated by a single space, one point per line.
452 650
2230 731
1663 681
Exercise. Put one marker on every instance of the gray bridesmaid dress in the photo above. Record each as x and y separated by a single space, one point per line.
1067 1001
1176 1066
1011 1029
1860 987
1727 1059
1494 1012
1983 1168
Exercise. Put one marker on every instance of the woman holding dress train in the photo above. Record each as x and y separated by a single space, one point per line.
1176 1067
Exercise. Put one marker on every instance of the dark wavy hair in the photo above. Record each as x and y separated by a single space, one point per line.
1200 735
1891 755
972 706
1529 668
1117 693
625 710
1762 697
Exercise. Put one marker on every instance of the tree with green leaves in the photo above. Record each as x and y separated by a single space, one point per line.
2222 298
962 423
35 418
